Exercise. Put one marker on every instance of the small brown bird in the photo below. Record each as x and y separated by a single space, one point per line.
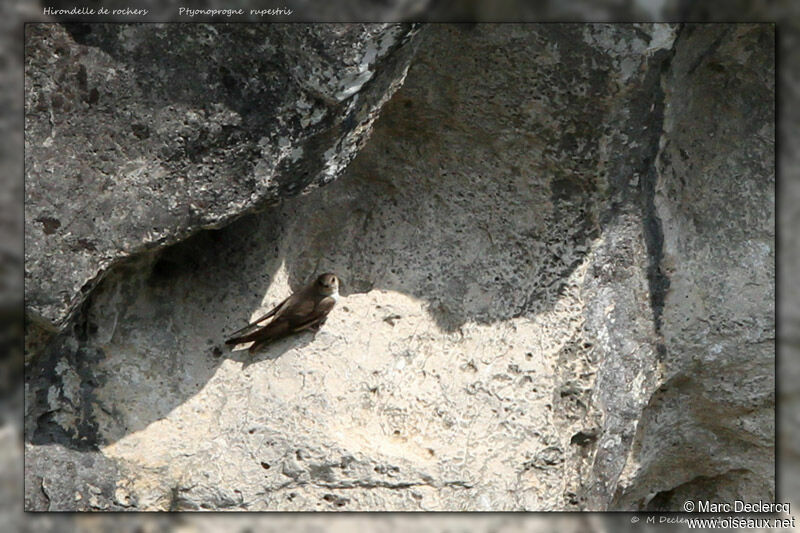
307 308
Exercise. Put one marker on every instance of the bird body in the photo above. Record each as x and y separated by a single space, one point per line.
307 308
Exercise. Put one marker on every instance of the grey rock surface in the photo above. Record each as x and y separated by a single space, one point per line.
87 481
787 19
708 431
138 136
532 243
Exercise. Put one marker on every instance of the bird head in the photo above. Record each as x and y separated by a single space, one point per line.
328 284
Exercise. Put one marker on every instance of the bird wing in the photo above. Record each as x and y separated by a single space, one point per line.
314 317
275 311
277 328
299 311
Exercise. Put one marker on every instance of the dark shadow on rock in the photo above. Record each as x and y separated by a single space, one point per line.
482 225
165 66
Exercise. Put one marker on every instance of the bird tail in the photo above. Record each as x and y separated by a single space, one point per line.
262 335
243 338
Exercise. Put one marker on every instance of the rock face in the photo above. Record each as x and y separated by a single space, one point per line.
708 430
557 250
138 136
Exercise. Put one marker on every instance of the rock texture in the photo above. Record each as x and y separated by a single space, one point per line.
138 136
557 251
708 431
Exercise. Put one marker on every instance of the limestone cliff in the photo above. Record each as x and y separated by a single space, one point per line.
557 248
